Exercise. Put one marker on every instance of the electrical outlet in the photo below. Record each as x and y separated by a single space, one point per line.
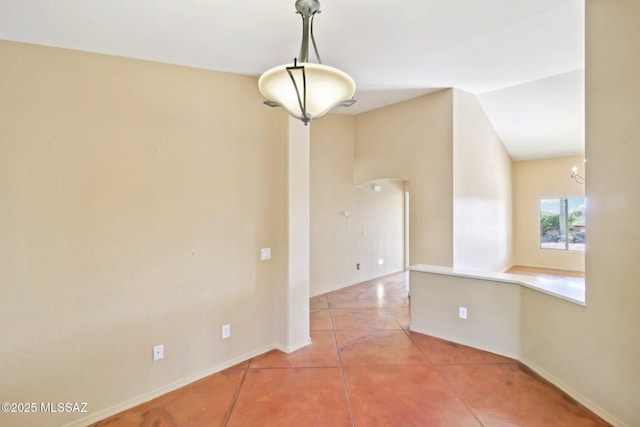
158 352
226 331
380 261
462 312
357 266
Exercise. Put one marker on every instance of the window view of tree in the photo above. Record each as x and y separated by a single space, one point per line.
562 224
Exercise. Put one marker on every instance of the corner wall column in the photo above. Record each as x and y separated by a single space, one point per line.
297 322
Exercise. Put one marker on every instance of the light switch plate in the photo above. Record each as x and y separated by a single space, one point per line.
265 254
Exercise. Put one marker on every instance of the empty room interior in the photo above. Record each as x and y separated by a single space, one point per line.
459 247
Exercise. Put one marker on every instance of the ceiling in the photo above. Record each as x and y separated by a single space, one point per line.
524 59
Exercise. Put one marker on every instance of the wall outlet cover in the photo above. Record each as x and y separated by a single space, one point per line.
226 331
158 352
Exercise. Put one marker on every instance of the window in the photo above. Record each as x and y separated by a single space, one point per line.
562 224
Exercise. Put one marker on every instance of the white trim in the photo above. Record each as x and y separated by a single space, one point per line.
292 348
579 397
575 394
130 403
407 207
462 341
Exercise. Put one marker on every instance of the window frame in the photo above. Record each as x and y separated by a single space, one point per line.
564 201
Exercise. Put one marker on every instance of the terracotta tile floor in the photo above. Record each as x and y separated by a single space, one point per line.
365 368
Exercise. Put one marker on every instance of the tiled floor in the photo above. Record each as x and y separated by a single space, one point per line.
365 368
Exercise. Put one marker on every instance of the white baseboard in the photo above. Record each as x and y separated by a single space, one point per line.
130 403
100 415
479 346
584 401
579 397
292 348
573 393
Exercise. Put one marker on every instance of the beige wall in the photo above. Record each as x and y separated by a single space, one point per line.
458 175
594 351
481 190
493 311
373 230
412 141
135 198
532 181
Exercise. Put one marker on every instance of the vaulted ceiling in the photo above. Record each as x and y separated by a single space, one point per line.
523 59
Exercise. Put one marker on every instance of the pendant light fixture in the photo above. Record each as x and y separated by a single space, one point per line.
307 90
576 176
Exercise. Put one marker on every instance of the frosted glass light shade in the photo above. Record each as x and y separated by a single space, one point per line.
327 87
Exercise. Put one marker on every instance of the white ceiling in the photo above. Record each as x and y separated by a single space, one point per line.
523 58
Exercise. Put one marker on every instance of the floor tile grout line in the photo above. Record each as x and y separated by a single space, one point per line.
455 393
444 380
397 321
408 334
344 380
235 396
